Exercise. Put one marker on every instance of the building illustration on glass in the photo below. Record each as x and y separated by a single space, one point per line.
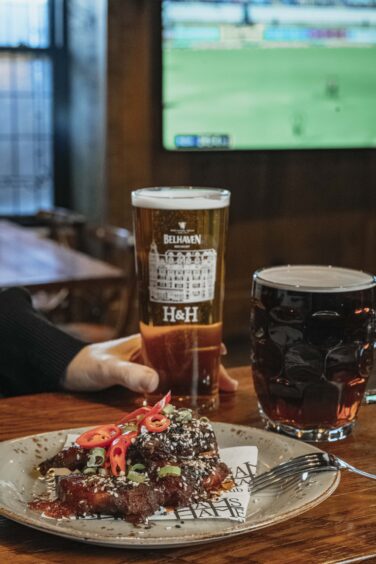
182 276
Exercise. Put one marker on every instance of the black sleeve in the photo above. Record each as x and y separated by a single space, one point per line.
34 354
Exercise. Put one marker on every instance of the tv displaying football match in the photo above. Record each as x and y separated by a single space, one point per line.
269 74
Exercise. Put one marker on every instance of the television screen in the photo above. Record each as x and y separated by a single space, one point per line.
269 74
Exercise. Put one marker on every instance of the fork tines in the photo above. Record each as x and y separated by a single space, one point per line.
294 468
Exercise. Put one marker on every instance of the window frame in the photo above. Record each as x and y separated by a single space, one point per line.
58 54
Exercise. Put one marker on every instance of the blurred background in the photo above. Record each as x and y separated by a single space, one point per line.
272 99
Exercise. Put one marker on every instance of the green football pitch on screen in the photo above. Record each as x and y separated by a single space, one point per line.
272 98
269 98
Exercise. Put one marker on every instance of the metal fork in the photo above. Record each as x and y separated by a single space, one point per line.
300 467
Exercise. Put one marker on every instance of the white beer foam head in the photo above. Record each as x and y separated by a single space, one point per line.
311 278
181 198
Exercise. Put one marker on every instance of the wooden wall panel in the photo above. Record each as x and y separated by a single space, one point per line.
87 62
287 206
336 239
128 106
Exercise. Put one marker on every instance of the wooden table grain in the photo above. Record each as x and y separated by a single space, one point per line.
341 529
41 264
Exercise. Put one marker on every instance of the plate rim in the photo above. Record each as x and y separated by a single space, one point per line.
174 542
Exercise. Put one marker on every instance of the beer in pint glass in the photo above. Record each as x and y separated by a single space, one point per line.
312 335
180 241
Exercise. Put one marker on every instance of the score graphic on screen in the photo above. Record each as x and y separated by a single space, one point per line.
202 141
269 74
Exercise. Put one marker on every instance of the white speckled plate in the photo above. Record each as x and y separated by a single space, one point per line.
18 483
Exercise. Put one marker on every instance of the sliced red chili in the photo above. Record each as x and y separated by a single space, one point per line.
133 416
156 423
118 453
157 408
164 401
99 436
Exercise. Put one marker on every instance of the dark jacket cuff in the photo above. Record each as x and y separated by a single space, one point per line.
48 349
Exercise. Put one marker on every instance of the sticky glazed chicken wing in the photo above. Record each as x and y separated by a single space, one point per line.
154 457
73 458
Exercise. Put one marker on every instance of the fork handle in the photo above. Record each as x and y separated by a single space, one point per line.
345 465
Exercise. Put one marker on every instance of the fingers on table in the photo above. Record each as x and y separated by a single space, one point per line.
226 383
136 377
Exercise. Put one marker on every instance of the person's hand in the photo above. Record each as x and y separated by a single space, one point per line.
120 362
102 365
225 382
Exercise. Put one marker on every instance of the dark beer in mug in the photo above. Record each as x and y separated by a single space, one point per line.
312 336
180 241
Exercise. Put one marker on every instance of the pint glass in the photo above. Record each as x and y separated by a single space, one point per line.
312 334
180 238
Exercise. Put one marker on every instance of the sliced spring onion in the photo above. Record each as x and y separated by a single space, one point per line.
205 419
168 409
128 427
185 414
136 477
89 470
169 471
137 467
96 457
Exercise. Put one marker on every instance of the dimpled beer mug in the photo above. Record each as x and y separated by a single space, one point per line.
180 238
312 335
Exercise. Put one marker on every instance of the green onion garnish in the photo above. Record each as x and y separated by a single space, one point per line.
169 471
136 477
90 470
137 467
168 409
128 427
96 457
185 414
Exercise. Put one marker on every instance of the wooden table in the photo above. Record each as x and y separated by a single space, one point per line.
41 264
341 529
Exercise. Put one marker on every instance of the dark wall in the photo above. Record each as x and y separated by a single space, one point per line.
87 59
287 206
